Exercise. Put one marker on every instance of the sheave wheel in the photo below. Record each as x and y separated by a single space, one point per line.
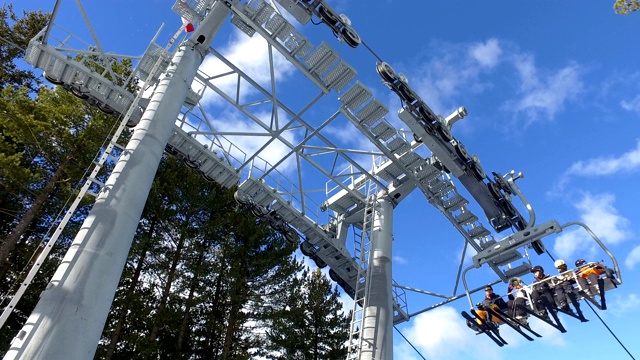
502 183
106 108
443 131
328 16
538 247
462 153
386 72
350 36
75 90
306 248
478 171
52 80
258 210
240 198
406 94
291 235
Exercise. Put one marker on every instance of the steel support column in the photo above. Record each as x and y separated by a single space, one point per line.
68 320
377 324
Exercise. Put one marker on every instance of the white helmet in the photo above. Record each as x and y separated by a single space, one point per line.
559 263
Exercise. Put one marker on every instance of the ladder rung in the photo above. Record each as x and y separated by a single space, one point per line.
95 181
455 202
115 144
466 218
439 186
478 232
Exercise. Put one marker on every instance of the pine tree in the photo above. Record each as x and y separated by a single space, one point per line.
48 140
309 323
203 280
47 143
15 33
199 297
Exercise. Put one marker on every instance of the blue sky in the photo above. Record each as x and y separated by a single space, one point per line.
552 90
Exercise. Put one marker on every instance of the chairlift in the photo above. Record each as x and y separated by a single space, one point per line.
488 325
531 235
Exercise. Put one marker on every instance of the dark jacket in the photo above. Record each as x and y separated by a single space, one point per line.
494 299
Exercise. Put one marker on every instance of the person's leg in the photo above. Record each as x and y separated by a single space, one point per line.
495 308
511 308
535 297
584 286
561 297
519 307
572 297
593 284
548 298
482 314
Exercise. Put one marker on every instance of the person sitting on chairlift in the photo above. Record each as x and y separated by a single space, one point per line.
517 300
563 288
541 294
588 275
493 301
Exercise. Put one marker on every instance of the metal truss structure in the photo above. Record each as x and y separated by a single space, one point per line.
346 226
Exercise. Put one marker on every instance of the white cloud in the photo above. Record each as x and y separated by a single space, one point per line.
600 166
633 258
346 300
627 162
632 105
567 243
526 68
624 305
348 135
487 54
438 333
470 252
399 260
454 69
598 212
549 334
603 218
251 137
251 55
541 93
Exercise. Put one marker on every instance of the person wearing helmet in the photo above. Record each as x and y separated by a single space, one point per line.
563 288
588 275
559 263
517 300
541 294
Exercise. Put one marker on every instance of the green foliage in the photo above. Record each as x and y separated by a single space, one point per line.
206 268
624 7
308 321
48 139
204 279
15 34
47 143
